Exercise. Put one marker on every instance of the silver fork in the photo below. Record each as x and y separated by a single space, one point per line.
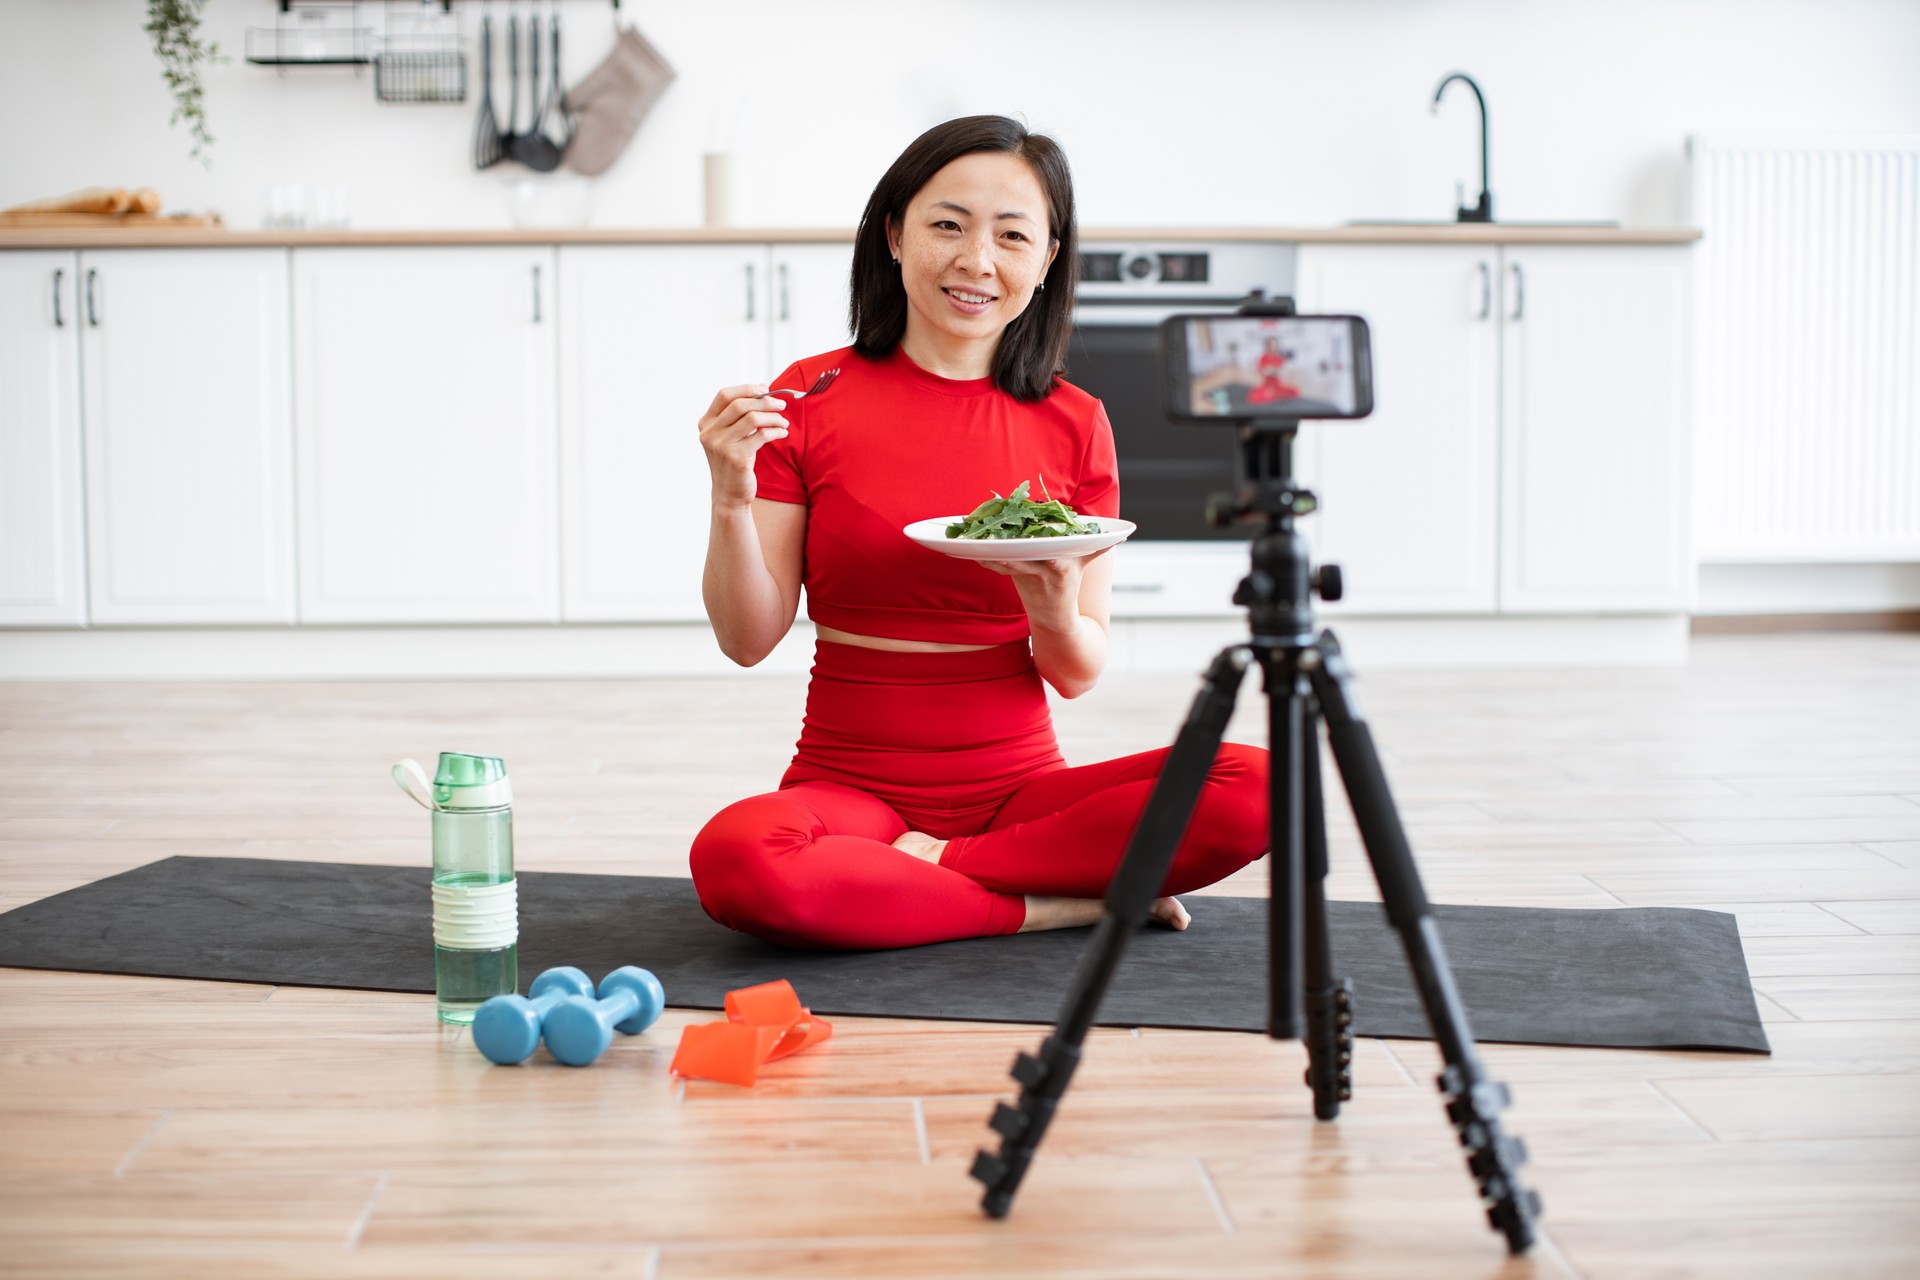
820 384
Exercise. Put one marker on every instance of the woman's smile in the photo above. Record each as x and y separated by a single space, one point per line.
971 302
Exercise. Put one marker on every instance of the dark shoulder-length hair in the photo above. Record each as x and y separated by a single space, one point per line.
1033 350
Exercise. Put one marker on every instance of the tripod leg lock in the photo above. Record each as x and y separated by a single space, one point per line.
1330 1047
1481 1101
992 1170
1494 1158
1043 1080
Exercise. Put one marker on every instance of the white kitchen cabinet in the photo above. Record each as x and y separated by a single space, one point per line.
425 416
42 536
1593 410
653 334
808 308
187 435
1409 498
1527 452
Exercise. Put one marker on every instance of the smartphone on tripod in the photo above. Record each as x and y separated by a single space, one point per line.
1229 369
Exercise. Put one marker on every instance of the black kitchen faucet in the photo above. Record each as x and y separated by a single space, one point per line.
1482 212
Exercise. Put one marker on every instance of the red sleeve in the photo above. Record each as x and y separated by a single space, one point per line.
779 473
1098 490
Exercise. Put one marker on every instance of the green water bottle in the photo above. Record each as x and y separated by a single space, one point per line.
476 926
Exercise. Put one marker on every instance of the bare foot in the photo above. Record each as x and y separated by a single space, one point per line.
922 846
1070 913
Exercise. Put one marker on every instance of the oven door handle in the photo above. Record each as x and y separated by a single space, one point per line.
1113 313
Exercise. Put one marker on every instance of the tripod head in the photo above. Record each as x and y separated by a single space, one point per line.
1267 489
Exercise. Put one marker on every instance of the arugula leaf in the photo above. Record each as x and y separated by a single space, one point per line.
1018 516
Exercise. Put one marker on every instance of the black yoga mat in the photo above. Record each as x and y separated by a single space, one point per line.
1640 977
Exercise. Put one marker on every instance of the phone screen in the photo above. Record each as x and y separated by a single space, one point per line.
1241 367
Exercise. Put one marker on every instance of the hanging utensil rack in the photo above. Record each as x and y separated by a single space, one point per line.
408 67
414 66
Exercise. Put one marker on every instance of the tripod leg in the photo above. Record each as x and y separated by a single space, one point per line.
1329 1036
1288 821
1300 962
1143 869
1474 1100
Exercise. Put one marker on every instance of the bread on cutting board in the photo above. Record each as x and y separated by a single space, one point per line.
113 200
101 206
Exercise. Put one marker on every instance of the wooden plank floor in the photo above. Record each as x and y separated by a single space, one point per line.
155 1127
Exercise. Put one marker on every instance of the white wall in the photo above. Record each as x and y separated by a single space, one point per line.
1209 112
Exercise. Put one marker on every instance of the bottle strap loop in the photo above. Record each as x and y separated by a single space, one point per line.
409 772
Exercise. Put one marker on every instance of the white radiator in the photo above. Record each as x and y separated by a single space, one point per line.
1807 422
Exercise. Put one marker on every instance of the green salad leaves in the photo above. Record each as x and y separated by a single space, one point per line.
1017 516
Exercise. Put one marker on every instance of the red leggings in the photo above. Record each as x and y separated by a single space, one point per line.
960 746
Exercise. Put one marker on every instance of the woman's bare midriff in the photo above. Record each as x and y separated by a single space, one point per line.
896 646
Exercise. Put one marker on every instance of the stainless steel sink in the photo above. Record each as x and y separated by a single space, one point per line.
1449 222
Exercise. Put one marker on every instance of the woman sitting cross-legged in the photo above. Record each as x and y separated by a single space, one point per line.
927 799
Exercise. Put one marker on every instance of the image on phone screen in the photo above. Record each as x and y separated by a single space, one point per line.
1271 367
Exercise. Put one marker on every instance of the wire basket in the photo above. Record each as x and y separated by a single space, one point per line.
420 69
308 46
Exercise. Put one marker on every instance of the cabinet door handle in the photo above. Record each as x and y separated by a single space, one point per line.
1486 292
59 321
93 316
1519 292
783 291
749 291
536 293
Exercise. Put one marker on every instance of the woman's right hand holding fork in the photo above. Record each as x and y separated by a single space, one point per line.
737 423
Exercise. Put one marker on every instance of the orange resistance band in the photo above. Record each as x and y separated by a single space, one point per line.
764 1023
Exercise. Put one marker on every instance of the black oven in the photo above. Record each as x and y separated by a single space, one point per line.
1167 472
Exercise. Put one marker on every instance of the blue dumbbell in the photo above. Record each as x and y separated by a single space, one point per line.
507 1028
579 1029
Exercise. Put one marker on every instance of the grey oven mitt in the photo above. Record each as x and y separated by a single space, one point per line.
612 101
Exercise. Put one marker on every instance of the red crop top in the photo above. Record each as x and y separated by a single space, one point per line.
888 444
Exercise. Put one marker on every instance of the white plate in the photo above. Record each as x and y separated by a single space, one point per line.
932 534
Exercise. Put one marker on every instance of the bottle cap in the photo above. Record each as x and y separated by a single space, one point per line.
471 782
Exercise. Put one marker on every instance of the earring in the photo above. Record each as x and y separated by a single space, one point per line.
1041 287
896 262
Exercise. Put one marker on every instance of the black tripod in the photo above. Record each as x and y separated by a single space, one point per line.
1307 681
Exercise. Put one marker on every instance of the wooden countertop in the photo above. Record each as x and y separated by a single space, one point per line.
149 236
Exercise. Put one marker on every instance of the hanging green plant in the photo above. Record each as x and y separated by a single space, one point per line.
175 28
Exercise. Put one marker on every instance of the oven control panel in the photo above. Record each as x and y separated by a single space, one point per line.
1144 266
1126 272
